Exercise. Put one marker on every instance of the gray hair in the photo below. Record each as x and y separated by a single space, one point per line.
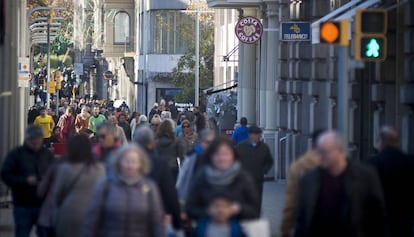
143 136
120 154
335 137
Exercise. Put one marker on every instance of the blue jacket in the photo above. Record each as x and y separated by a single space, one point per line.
240 134
235 228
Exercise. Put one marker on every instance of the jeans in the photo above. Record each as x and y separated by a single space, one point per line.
24 220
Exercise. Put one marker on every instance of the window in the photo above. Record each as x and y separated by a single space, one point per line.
122 28
170 28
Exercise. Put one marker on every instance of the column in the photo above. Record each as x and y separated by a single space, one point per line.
246 103
272 66
263 75
272 60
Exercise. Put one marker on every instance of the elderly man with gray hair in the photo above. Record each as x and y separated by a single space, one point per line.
160 173
339 198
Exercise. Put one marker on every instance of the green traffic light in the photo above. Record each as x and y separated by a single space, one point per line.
372 49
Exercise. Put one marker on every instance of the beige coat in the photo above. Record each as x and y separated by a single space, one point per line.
74 201
305 163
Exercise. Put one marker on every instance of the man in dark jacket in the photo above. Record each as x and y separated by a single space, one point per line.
123 123
256 159
340 198
108 144
161 174
200 120
22 171
396 173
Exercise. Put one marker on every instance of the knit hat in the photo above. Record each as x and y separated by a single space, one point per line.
255 129
33 132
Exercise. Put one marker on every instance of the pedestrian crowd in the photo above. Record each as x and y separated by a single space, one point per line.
171 174
126 174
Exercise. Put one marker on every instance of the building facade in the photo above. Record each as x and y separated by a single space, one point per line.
161 44
290 88
226 47
104 36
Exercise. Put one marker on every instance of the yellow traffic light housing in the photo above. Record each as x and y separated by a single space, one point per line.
58 78
334 32
370 35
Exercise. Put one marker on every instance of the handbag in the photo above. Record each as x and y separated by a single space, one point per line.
256 228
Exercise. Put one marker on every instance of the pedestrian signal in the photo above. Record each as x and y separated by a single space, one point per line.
370 35
334 32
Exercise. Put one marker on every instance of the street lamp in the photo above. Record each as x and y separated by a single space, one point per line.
50 26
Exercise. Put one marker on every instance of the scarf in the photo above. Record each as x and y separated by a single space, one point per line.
223 177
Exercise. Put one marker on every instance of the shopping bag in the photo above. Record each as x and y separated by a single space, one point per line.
256 228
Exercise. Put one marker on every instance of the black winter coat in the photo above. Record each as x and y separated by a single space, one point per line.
255 159
171 149
396 173
20 163
161 174
242 190
363 211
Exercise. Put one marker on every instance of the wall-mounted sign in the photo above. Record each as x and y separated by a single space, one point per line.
23 67
249 30
295 31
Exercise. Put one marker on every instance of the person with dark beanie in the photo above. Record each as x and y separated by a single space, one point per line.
22 171
256 159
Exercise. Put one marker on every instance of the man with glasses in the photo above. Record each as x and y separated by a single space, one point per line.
155 123
108 143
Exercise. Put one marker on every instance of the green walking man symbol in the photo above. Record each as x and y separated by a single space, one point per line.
373 49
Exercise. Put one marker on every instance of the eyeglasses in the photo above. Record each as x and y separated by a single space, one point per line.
186 126
155 124
102 136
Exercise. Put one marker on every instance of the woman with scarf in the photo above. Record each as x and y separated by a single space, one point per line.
82 121
222 173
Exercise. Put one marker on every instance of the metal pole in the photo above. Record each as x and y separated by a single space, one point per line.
57 95
343 92
48 64
197 58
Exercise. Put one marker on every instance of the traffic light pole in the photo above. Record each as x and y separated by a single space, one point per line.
343 92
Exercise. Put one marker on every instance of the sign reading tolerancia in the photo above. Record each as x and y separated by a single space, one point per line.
249 30
295 31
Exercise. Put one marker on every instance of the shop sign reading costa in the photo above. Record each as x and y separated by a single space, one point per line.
249 30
